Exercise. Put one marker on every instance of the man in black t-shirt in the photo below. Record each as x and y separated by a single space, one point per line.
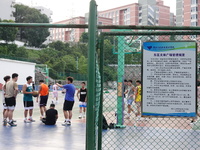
82 96
51 116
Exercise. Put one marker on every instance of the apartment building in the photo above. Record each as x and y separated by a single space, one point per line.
144 12
187 12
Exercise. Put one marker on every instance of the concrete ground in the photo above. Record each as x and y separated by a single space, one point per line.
36 135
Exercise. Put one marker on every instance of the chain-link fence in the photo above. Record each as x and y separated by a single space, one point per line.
128 130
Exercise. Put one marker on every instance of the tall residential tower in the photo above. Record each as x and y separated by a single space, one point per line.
187 13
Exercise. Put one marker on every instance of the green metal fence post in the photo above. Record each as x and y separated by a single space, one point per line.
120 83
90 122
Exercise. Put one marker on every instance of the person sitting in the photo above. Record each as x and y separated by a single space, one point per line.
51 116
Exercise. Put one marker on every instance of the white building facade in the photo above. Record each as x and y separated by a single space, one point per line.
7 9
24 69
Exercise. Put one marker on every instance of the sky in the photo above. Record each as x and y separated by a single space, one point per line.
64 9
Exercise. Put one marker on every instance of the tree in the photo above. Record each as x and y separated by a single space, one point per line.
82 65
33 36
57 45
8 34
109 57
84 37
70 63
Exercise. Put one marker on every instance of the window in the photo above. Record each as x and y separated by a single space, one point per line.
117 13
140 8
194 16
150 11
149 23
194 9
151 18
140 20
140 14
193 23
157 21
194 2
128 16
117 19
112 14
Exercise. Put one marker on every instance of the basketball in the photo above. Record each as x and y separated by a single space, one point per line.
35 94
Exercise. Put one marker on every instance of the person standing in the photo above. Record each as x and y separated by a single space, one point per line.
55 93
51 116
69 100
6 79
82 96
124 91
130 97
49 86
43 94
28 100
11 90
138 96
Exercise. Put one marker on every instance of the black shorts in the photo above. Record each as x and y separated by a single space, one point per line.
43 100
28 105
68 105
10 102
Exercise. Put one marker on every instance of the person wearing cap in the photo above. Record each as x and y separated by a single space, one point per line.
51 116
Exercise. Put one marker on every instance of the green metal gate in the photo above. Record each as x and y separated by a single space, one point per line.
121 59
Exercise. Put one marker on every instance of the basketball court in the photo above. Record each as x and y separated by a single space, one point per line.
37 135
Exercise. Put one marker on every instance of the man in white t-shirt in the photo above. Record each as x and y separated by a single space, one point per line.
55 93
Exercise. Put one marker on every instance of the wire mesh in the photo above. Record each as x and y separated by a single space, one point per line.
150 133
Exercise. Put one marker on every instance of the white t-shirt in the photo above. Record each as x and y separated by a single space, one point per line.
55 88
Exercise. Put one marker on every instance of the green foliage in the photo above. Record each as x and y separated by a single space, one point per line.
110 74
32 36
8 34
84 37
109 57
60 57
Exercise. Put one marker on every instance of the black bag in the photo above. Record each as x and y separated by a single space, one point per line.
105 124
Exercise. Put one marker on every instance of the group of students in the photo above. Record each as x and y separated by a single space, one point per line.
133 94
50 116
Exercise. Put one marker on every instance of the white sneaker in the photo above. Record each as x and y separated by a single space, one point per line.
83 116
27 121
66 123
31 120
80 117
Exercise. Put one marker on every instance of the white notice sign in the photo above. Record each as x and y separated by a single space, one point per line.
169 79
